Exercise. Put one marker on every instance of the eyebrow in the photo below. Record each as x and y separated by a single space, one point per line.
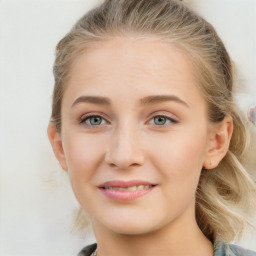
162 98
92 99
154 99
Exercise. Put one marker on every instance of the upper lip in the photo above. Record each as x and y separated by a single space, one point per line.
125 184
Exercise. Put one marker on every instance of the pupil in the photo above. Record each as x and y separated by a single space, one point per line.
95 120
160 120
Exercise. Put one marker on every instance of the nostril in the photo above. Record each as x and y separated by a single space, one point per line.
123 153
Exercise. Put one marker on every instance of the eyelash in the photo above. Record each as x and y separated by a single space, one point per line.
89 116
167 118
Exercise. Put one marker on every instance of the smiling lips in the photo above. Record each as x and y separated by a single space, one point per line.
126 190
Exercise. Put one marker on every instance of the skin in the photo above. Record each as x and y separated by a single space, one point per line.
129 144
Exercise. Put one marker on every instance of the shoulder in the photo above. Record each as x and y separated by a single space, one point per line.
220 249
223 249
88 250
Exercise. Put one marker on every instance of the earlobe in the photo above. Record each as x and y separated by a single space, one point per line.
56 142
218 143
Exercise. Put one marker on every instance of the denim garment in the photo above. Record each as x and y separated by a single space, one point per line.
220 249
223 249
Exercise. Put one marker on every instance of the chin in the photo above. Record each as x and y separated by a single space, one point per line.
131 226
132 229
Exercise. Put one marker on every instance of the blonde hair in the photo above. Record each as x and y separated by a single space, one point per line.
227 188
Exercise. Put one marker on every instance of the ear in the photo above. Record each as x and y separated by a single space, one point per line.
56 142
218 142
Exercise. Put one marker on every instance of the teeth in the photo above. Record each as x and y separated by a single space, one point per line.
133 188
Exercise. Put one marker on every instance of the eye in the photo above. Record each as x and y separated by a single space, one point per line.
93 120
161 120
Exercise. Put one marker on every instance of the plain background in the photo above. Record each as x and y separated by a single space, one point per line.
37 206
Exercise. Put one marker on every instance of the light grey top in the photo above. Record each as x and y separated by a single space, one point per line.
220 249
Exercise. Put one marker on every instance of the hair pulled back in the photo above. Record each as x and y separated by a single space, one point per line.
227 188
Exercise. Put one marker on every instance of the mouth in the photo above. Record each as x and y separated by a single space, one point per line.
132 188
126 190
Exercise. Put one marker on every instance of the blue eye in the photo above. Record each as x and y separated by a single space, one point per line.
162 120
93 120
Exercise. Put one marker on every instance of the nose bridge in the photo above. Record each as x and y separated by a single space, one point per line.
124 149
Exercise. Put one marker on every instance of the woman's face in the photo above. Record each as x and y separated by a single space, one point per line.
134 134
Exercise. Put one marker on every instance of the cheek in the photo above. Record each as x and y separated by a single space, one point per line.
181 170
180 157
83 154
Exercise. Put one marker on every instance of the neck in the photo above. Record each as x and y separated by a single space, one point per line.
177 238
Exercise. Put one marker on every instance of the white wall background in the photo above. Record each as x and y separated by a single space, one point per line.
36 202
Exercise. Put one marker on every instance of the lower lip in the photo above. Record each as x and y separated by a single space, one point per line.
125 195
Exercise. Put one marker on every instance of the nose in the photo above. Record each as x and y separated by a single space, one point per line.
124 150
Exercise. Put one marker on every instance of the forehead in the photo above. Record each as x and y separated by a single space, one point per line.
123 53
139 65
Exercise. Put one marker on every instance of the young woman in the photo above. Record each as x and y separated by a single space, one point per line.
143 120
